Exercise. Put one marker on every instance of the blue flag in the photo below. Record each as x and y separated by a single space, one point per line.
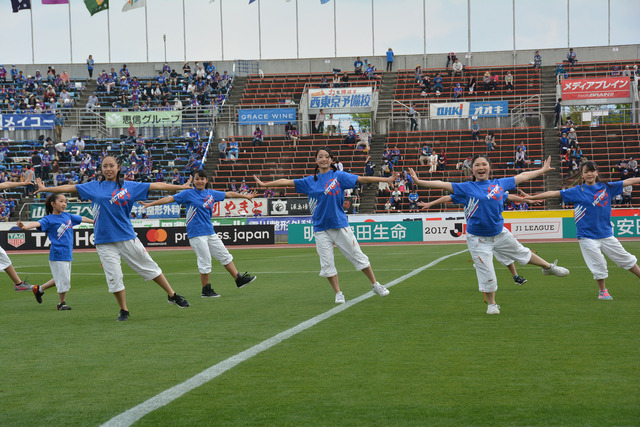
324 1
251 1
18 5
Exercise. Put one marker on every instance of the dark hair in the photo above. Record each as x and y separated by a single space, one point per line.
202 174
476 157
333 167
48 203
117 160
591 166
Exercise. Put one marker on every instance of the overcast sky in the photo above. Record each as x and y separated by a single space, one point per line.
396 23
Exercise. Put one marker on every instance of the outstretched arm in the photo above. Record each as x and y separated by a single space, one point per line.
526 176
6 185
170 187
442 185
163 201
69 188
240 195
372 179
277 183
630 181
443 199
28 225
87 220
545 195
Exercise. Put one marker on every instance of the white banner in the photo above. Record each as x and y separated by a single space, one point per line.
450 110
341 100
241 207
536 228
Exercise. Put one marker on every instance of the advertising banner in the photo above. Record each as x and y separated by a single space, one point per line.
143 119
263 116
26 121
409 231
341 100
289 206
170 210
489 109
150 237
241 207
281 224
82 209
449 110
595 88
623 226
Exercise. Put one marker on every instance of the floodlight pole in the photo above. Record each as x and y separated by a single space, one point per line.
164 39
221 32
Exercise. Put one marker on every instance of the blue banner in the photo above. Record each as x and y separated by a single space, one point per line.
26 121
281 224
489 109
170 210
263 116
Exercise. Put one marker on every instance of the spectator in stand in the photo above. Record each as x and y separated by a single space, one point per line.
351 136
268 193
626 72
537 60
508 81
92 102
324 83
320 122
557 117
522 146
471 85
573 138
90 63
495 80
370 72
287 130
424 154
338 164
295 136
364 142
389 59
568 124
36 164
486 80
457 68
3 74
66 79
413 201
337 80
633 167
222 150
396 197
368 168
58 122
244 188
386 169
395 155
418 73
457 91
475 130
357 66
412 118
257 137
490 140
65 98
437 83
425 84
571 57
563 146
450 59
442 161
345 79
233 150
615 72
519 160
561 73
386 153
466 166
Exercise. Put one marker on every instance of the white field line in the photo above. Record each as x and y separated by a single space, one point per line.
132 415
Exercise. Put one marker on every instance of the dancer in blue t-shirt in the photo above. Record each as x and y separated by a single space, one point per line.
325 189
483 201
592 214
58 225
202 238
114 236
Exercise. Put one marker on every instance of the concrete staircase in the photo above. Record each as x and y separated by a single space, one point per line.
368 195
385 101
552 180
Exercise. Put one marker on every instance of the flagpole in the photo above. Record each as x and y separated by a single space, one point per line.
297 34
259 33
221 32
70 37
373 31
146 29
184 32
335 31
33 55
109 33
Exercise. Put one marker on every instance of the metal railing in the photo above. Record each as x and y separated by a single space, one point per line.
530 107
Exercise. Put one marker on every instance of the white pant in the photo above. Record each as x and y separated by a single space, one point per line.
209 246
592 252
61 271
344 239
5 262
134 254
504 246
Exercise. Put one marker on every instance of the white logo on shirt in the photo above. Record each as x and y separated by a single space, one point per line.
313 203
579 212
471 208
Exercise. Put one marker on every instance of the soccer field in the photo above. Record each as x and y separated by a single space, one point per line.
425 355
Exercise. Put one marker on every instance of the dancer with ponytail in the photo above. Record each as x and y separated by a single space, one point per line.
58 225
114 236
325 189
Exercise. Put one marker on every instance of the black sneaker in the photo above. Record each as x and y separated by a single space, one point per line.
244 279
207 292
63 306
178 300
519 280
37 293
124 315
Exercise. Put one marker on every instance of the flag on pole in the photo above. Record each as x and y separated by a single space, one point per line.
251 1
95 6
55 1
324 1
19 5
133 4
211 1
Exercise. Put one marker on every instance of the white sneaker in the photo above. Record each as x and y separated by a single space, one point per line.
379 289
554 270
493 309
339 298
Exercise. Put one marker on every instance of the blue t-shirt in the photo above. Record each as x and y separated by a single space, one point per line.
483 204
59 229
413 197
592 208
199 206
389 56
326 197
112 206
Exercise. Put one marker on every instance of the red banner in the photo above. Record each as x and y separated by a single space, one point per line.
600 88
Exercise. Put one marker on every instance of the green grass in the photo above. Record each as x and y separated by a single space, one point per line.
425 355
